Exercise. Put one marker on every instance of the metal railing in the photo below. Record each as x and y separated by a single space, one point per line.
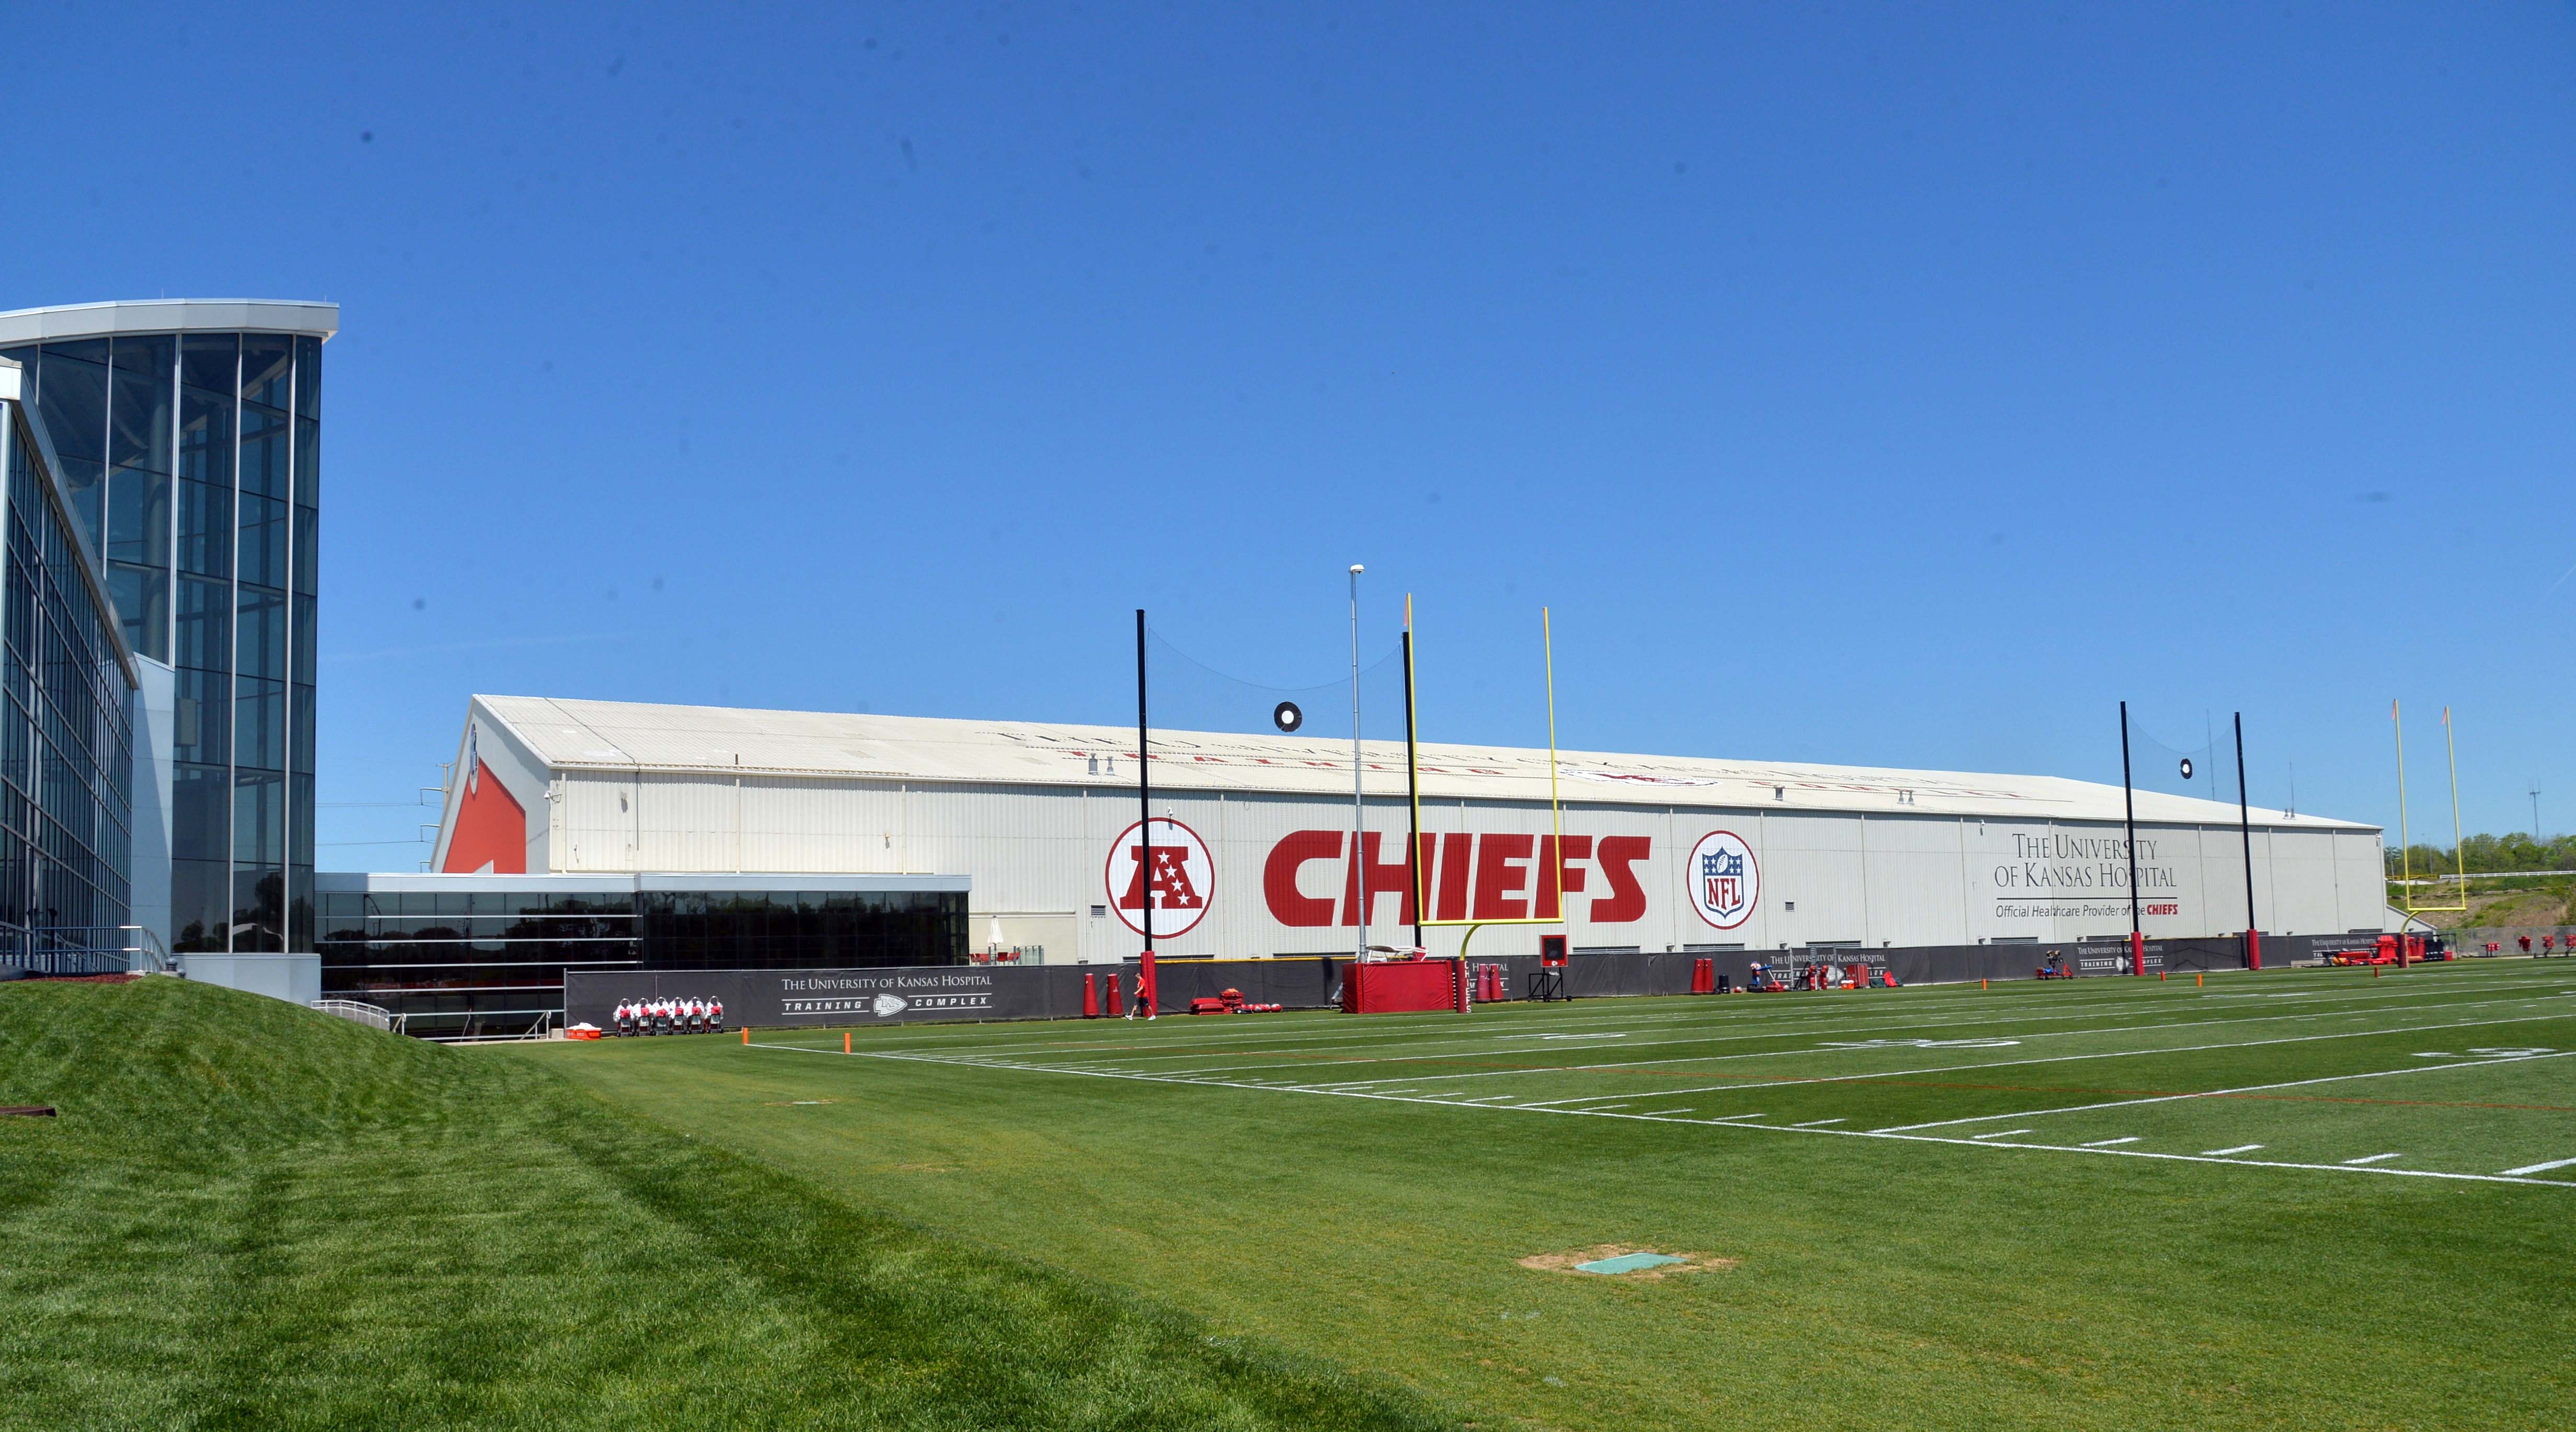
358 1012
74 950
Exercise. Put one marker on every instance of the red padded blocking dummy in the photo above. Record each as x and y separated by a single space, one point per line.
1404 986
1090 997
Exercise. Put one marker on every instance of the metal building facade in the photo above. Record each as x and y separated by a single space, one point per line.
1251 852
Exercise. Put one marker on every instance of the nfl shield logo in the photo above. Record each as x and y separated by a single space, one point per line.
1724 880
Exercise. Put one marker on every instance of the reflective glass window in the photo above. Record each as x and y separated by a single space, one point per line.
308 553
74 409
138 516
203 723
261 635
261 552
308 462
139 427
299 748
259 905
200 898
301 635
308 377
263 452
205 628
259 818
205 529
211 362
200 823
268 361
259 723
142 598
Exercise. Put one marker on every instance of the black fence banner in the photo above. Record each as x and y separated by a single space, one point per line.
992 992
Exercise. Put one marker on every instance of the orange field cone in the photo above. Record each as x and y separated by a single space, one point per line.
746 1034
2195 981
1981 984
845 1041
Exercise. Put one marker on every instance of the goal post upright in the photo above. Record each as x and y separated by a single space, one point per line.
1413 792
2405 850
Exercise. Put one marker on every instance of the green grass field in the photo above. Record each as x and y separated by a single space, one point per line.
2290 1200
2294 1200
250 1215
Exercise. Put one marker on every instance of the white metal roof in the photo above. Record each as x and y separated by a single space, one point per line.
572 735
169 315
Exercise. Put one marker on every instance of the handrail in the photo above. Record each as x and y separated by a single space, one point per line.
147 944
360 1012
85 949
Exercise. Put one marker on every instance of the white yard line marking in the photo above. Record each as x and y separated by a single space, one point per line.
1815 1123
1656 1113
1419 1074
2382 1005
2238 1149
2108 1143
1967 1143
2217 1093
1788 1025
2371 1159
2003 1133
2538 1167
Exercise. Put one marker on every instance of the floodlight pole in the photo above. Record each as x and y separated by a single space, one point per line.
2129 804
1144 791
1359 854
2245 828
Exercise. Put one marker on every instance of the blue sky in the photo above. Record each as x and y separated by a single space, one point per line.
1894 385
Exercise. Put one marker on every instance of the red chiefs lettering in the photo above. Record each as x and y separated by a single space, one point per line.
1498 875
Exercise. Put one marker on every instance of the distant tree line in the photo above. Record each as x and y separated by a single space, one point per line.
2488 854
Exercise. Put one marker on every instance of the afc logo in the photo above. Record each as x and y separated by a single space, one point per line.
1170 867
1724 879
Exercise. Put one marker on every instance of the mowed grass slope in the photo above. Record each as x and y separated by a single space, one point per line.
1320 1181
251 1215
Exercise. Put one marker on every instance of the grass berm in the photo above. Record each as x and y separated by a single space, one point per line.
250 1215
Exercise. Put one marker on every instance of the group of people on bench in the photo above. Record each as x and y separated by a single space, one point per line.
670 1016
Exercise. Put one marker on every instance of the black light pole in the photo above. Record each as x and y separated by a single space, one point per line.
2129 800
1413 791
2245 827
1144 791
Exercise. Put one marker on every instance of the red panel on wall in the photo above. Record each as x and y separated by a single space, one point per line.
491 829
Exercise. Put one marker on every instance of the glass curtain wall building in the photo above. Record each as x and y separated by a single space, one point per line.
66 753
190 437
461 956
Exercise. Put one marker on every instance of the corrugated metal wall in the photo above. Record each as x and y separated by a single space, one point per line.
1825 876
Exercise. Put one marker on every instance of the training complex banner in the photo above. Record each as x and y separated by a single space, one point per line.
774 998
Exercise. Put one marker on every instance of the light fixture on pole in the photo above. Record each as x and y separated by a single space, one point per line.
1359 858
